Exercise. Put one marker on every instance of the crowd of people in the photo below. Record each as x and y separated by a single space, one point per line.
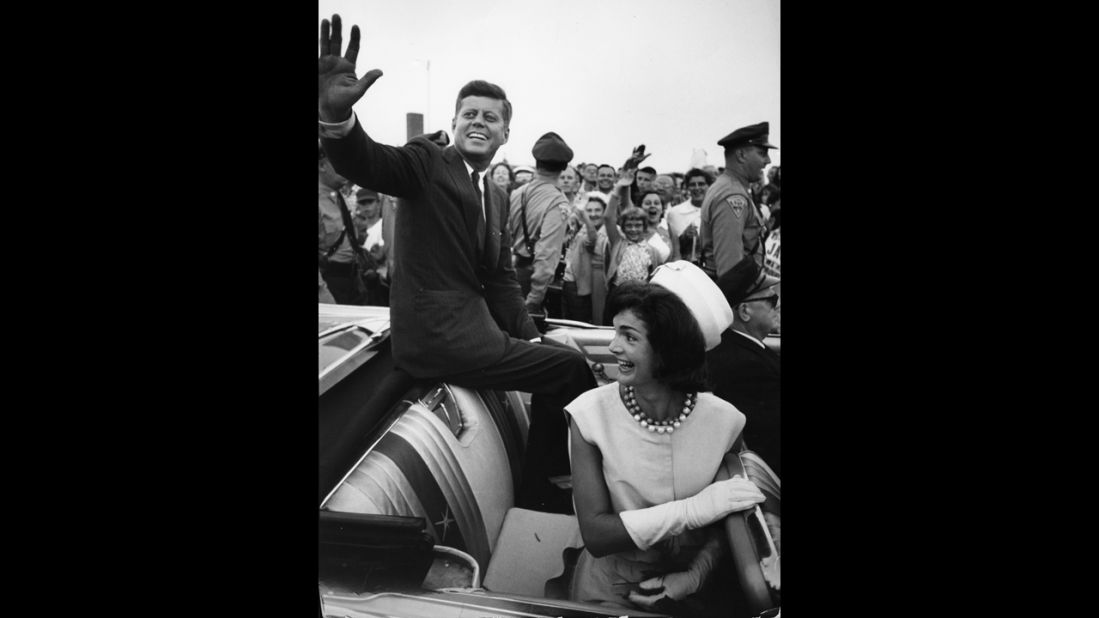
567 264
468 252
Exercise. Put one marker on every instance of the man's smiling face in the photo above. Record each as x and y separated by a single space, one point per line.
479 128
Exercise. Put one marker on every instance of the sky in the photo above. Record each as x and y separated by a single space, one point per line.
605 75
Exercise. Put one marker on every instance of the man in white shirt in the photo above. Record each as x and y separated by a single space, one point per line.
684 218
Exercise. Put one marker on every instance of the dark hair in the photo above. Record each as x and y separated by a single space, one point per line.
776 193
694 171
613 168
648 170
492 170
658 194
673 333
481 88
596 198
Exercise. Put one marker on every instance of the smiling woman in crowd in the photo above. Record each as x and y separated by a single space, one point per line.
629 257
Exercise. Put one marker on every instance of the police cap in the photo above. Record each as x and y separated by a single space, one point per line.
745 282
550 148
755 135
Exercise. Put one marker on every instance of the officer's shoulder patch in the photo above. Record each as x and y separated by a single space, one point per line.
738 203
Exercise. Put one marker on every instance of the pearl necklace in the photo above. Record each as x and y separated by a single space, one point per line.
665 426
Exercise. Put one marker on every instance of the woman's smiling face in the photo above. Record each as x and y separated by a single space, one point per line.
631 348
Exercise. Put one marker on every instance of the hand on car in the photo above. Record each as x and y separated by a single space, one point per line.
721 498
337 87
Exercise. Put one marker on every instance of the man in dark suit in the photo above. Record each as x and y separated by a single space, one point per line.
457 314
746 372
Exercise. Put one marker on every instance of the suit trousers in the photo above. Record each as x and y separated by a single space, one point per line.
554 375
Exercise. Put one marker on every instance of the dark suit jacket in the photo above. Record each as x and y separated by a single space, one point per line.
453 302
749 377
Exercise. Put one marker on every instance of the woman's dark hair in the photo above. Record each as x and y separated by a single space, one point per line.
596 198
776 194
673 333
658 194
492 170
694 171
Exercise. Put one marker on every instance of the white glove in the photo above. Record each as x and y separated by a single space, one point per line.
651 525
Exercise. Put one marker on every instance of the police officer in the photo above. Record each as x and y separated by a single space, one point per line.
536 221
732 225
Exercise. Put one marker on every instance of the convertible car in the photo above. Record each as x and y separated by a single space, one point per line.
417 481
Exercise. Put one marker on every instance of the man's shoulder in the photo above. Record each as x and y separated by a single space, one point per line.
547 193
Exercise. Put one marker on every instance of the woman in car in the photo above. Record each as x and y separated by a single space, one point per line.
645 451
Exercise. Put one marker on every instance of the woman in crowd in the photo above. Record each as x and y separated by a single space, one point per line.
653 205
645 451
500 174
629 256
583 281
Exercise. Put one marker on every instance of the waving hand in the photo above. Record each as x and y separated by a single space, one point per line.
337 87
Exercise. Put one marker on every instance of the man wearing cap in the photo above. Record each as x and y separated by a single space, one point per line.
745 372
536 221
732 225
334 253
369 227
457 312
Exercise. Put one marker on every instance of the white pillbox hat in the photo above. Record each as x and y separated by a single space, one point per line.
700 294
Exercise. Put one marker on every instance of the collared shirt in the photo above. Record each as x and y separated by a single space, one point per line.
545 221
750 338
330 226
480 185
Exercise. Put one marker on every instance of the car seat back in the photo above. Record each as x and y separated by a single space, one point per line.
453 458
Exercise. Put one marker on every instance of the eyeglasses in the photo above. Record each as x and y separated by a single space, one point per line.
368 200
771 300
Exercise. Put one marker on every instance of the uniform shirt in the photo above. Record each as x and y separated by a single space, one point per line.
547 208
731 226
330 226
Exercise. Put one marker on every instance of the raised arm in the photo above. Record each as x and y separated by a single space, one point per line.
620 194
337 87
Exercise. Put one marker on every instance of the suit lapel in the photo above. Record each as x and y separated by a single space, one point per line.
471 209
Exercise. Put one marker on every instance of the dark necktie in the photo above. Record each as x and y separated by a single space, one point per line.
480 209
